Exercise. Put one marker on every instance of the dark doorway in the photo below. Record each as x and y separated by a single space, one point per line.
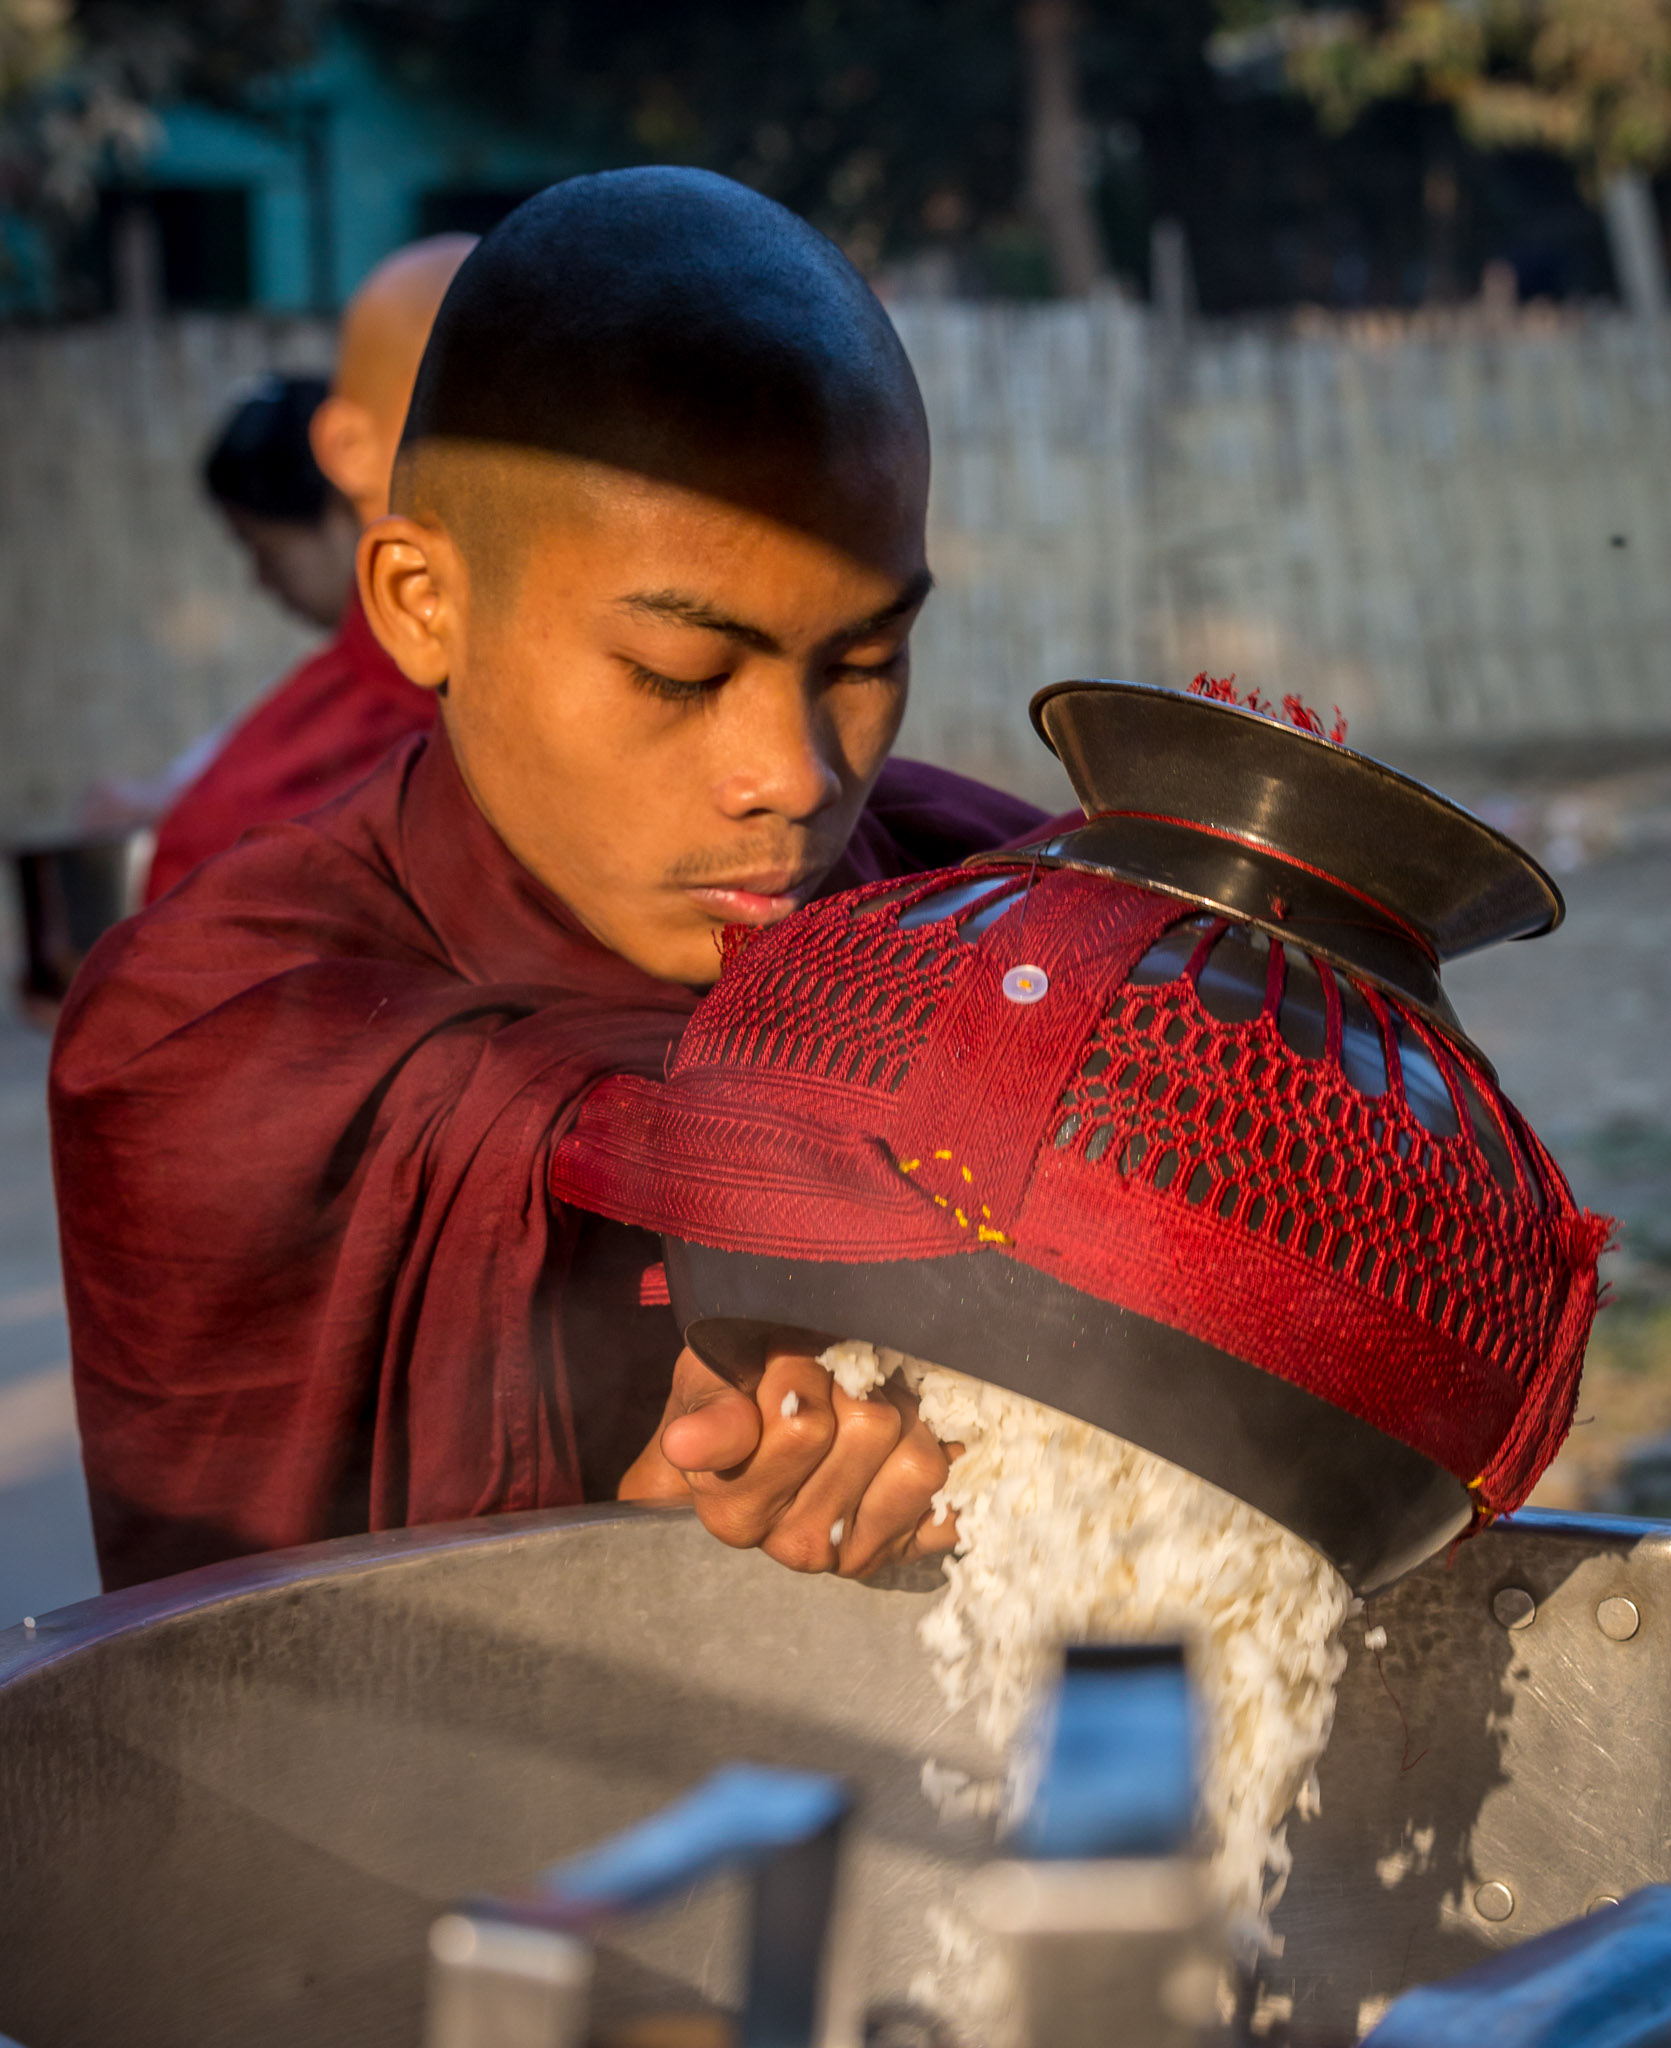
467 209
204 235
198 245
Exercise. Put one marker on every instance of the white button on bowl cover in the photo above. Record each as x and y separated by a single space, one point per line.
1026 984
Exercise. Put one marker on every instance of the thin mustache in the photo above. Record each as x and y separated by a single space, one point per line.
722 870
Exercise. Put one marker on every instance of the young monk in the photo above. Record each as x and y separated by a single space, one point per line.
657 549
332 719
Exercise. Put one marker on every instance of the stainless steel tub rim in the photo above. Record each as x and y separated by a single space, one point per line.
233 1801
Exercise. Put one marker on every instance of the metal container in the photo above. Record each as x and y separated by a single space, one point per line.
70 894
232 1803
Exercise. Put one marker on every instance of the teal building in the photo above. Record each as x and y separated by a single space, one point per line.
282 207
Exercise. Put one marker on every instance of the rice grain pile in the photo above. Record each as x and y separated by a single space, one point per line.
1067 1534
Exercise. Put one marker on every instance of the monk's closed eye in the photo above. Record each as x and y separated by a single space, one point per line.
675 689
869 671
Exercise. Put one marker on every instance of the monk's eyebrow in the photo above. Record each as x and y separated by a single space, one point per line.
675 608
907 601
669 606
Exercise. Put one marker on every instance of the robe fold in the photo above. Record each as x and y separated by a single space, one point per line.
302 1112
321 731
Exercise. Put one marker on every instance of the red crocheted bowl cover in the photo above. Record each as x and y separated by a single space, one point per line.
1168 1113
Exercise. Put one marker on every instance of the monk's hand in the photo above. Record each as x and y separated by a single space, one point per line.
798 1469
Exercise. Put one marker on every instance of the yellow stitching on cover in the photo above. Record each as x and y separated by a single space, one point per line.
987 1232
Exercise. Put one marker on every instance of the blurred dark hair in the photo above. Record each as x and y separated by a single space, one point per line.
261 462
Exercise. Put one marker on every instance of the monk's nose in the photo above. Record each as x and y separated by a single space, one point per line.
778 754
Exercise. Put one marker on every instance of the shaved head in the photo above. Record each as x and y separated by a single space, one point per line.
658 540
385 327
675 326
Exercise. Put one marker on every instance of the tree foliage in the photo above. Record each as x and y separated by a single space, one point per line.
901 127
35 44
1589 79
875 119
78 83
892 125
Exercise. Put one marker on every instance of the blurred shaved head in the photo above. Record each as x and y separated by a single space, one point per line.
385 327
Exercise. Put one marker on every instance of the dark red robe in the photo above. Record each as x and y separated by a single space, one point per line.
302 1111
323 729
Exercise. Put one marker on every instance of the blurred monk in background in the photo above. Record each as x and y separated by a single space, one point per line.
299 533
330 722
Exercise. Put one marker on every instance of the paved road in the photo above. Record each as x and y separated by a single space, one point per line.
46 1550
1579 1023
1579 1026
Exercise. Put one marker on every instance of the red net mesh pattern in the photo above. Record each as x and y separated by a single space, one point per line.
851 1000
1472 1232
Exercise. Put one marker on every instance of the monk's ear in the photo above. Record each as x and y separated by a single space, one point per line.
348 448
409 584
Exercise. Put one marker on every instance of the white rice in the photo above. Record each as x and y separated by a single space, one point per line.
1067 1534
856 1366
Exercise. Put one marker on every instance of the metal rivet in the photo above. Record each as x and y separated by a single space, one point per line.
1494 1901
1026 984
1514 1607
1618 1618
1596 1905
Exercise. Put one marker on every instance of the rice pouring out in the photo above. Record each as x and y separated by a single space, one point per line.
1068 1534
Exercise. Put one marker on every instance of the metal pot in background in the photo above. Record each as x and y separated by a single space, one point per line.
70 892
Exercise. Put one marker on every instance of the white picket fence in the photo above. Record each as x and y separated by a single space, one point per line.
1449 532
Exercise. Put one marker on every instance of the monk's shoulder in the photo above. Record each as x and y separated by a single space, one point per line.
326 891
938 817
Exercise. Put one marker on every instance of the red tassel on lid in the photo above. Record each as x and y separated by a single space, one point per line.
1295 710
